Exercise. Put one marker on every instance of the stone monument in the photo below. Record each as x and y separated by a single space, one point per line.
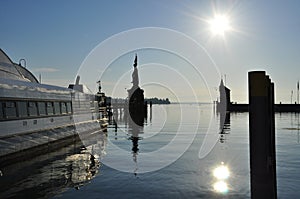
136 98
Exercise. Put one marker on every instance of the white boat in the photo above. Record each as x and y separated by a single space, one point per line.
34 114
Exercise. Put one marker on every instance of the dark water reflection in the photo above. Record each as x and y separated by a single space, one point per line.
72 172
50 174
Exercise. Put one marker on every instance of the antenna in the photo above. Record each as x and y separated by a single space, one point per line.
99 86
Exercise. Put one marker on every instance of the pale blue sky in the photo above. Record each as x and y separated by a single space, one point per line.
56 36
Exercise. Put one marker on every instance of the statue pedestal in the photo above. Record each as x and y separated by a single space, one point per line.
136 105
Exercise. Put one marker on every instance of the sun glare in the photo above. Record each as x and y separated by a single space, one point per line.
221 172
219 24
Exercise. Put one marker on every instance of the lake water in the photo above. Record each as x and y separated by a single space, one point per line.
159 160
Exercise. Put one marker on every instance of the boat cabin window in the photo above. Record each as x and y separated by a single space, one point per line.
50 110
32 108
69 107
22 109
57 108
10 110
1 110
42 108
63 107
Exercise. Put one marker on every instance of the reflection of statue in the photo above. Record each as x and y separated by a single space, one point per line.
135 75
135 130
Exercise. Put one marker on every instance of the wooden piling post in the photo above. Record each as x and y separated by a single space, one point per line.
262 136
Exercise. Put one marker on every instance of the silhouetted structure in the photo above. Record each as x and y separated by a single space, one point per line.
262 136
224 97
225 101
136 98
100 98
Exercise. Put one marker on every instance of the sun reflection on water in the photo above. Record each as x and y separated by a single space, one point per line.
221 173
221 187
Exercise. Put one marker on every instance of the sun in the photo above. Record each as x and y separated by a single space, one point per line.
219 25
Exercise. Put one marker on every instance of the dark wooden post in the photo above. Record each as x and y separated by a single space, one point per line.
262 136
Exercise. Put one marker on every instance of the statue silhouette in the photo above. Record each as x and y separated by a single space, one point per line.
135 75
136 98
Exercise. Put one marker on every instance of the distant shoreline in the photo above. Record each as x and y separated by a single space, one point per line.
155 100
200 103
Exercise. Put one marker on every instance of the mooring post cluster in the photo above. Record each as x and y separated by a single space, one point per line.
262 136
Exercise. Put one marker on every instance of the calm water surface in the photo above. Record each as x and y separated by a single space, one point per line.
72 172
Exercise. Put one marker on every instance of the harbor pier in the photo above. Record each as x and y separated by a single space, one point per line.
225 98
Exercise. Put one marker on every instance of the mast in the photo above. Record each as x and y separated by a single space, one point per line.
298 92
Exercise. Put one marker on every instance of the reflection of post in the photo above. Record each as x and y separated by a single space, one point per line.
262 136
224 122
150 112
146 109
224 126
298 127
